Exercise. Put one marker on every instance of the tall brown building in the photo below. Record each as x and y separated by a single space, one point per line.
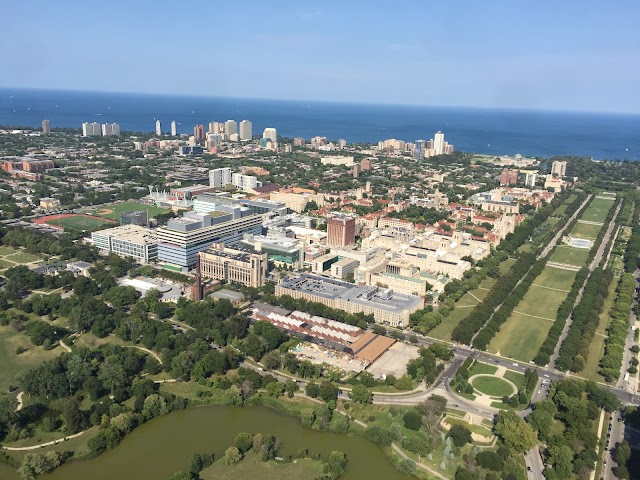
508 177
199 132
341 230
233 265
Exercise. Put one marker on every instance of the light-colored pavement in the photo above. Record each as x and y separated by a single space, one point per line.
41 445
626 356
535 467
20 403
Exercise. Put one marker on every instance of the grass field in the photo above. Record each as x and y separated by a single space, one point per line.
570 255
492 386
79 223
585 230
465 305
518 379
13 365
12 257
485 368
119 208
524 332
520 337
479 429
597 210
251 466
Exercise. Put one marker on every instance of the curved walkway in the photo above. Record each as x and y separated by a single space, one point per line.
146 350
20 403
46 444
65 346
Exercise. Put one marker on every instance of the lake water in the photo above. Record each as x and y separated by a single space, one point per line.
163 446
481 130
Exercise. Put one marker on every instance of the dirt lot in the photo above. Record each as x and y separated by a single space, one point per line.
394 361
316 354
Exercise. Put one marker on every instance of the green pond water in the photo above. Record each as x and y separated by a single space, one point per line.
163 446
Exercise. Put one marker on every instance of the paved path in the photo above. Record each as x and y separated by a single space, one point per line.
150 352
65 346
20 403
533 461
550 288
41 445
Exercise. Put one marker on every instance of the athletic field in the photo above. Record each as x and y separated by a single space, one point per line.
114 210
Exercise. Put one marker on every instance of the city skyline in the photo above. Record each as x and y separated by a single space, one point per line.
482 56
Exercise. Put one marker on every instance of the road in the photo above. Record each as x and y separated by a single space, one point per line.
626 357
614 436
535 467
596 261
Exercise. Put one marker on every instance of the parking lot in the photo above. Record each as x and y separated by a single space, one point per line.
394 361
315 354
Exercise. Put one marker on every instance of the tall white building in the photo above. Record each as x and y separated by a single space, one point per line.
342 143
158 127
530 178
91 129
230 127
559 168
174 129
109 129
438 143
246 130
271 134
133 241
219 177
245 182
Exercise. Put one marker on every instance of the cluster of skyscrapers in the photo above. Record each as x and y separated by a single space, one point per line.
96 129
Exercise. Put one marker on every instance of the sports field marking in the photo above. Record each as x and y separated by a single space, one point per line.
465 306
535 316
551 288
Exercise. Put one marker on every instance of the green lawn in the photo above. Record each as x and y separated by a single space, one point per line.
7 251
492 386
598 209
119 208
79 223
585 230
484 368
251 467
570 255
540 303
555 278
479 429
22 257
13 365
517 378
5 264
520 337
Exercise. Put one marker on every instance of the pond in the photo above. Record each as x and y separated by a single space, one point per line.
163 446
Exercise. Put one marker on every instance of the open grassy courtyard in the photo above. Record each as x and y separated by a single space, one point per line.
586 230
526 329
570 255
598 209
253 467
563 208
114 210
492 386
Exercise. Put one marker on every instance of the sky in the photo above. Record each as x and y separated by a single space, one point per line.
573 55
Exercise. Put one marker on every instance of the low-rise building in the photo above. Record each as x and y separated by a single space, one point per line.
386 306
233 265
134 241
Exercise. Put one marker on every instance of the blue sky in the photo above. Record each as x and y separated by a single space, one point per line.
578 55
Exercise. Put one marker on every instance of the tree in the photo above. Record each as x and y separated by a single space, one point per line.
490 460
336 464
154 406
243 441
232 456
623 453
407 466
308 416
412 420
460 435
515 433
560 457
378 435
361 394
